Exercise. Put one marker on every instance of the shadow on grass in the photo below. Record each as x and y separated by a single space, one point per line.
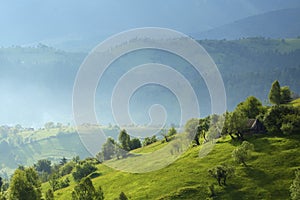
258 176
95 175
233 190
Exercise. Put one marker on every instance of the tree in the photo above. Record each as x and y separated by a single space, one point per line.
225 128
76 159
49 195
119 151
191 128
251 107
124 140
285 95
67 168
274 94
123 196
82 170
149 140
221 172
172 131
291 124
99 195
108 149
32 177
243 152
85 190
215 127
135 143
25 185
54 181
163 132
202 128
63 161
295 186
43 165
237 124
283 119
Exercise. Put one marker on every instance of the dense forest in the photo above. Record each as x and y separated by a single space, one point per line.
39 72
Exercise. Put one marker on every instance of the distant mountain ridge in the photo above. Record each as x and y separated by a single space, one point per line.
283 23
39 87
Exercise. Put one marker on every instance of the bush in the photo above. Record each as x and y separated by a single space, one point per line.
282 119
135 143
49 195
86 190
67 168
221 172
149 140
243 152
82 170
172 131
64 183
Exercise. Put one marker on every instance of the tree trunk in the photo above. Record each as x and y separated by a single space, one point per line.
204 136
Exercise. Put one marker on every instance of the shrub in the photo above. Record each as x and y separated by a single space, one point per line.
82 170
243 152
135 143
282 119
221 172
149 140
67 168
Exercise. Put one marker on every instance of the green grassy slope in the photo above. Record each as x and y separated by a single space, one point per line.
31 146
26 147
268 175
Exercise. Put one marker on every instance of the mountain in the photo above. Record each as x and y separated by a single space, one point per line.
37 82
32 22
283 23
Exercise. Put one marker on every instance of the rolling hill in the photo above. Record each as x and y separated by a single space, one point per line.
268 175
26 147
283 23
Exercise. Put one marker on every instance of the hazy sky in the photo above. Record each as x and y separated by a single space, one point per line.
30 21
31 99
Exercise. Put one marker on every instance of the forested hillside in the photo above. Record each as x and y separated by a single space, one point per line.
249 66
43 77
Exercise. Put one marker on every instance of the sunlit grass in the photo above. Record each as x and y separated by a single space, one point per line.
268 175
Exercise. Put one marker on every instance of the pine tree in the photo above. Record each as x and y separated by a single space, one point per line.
124 140
274 95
